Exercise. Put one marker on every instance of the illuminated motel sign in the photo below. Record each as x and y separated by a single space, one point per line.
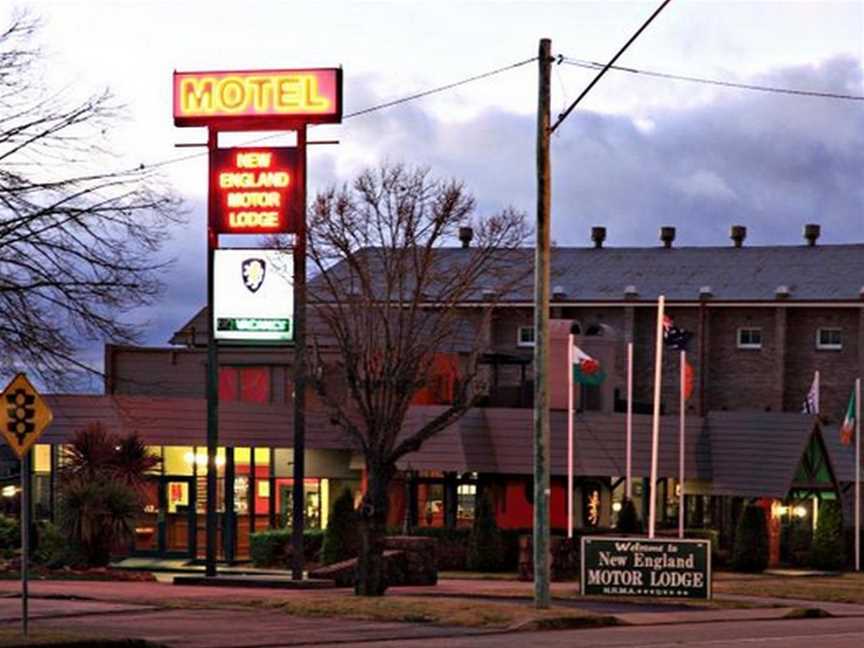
258 97
255 190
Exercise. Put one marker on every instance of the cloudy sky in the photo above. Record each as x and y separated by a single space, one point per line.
640 152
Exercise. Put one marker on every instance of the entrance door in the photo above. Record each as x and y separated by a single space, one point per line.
177 529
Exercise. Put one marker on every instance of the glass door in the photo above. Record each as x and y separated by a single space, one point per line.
178 528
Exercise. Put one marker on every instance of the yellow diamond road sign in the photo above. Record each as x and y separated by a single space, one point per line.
24 414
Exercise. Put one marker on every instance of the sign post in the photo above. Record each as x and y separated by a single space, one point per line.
257 191
24 415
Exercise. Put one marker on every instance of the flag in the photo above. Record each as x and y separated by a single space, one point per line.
689 375
674 337
847 430
586 370
811 402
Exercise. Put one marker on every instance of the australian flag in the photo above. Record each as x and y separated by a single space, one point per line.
674 337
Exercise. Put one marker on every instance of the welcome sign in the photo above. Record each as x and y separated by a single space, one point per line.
641 567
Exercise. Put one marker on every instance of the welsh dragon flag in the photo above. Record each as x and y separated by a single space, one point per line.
847 430
586 370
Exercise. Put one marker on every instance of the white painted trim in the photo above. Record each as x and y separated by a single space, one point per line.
820 346
748 346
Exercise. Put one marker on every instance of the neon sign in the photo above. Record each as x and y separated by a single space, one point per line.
211 98
255 190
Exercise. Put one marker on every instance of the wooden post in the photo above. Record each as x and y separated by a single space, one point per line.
298 509
681 431
541 332
628 486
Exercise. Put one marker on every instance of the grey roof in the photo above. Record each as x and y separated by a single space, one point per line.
821 272
756 454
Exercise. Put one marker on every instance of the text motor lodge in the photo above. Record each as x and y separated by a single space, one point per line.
646 567
255 189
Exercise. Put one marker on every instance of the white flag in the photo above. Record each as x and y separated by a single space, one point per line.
811 402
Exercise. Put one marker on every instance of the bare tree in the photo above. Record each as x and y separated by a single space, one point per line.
387 297
78 238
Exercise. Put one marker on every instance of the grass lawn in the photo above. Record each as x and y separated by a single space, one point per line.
423 609
845 588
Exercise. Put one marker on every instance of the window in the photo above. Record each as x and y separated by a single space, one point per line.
247 384
525 336
749 338
829 339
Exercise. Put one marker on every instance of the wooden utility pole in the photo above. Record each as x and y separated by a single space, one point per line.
541 332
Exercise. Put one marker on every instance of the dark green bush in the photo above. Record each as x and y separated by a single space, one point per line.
10 534
341 539
273 548
828 545
485 544
628 519
269 548
750 551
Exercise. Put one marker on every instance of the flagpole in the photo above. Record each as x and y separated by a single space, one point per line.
570 435
681 416
655 427
858 474
629 474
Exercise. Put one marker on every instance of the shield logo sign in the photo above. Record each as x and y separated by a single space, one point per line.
253 271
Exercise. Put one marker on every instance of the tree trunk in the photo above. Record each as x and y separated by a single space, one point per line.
371 576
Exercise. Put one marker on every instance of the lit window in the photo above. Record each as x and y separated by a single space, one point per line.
749 338
829 339
525 336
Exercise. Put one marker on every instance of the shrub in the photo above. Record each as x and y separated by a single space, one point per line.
97 515
10 534
485 545
272 548
628 520
828 547
269 548
53 549
750 551
341 540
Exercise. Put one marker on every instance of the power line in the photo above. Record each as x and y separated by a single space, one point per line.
370 109
606 67
594 65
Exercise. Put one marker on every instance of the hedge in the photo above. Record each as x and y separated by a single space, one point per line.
273 548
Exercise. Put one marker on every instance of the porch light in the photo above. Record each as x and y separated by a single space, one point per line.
9 491
800 512
616 507
782 510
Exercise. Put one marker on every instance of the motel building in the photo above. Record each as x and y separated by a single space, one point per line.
762 320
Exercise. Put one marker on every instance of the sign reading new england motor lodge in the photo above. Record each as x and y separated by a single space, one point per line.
255 187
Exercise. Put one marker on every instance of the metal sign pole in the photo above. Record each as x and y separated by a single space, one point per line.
25 540
212 364
298 508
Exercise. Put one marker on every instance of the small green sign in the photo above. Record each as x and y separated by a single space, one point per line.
640 567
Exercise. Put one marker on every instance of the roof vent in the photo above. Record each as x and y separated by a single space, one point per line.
738 233
465 235
811 233
630 292
598 235
558 292
489 294
705 292
782 292
667 235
